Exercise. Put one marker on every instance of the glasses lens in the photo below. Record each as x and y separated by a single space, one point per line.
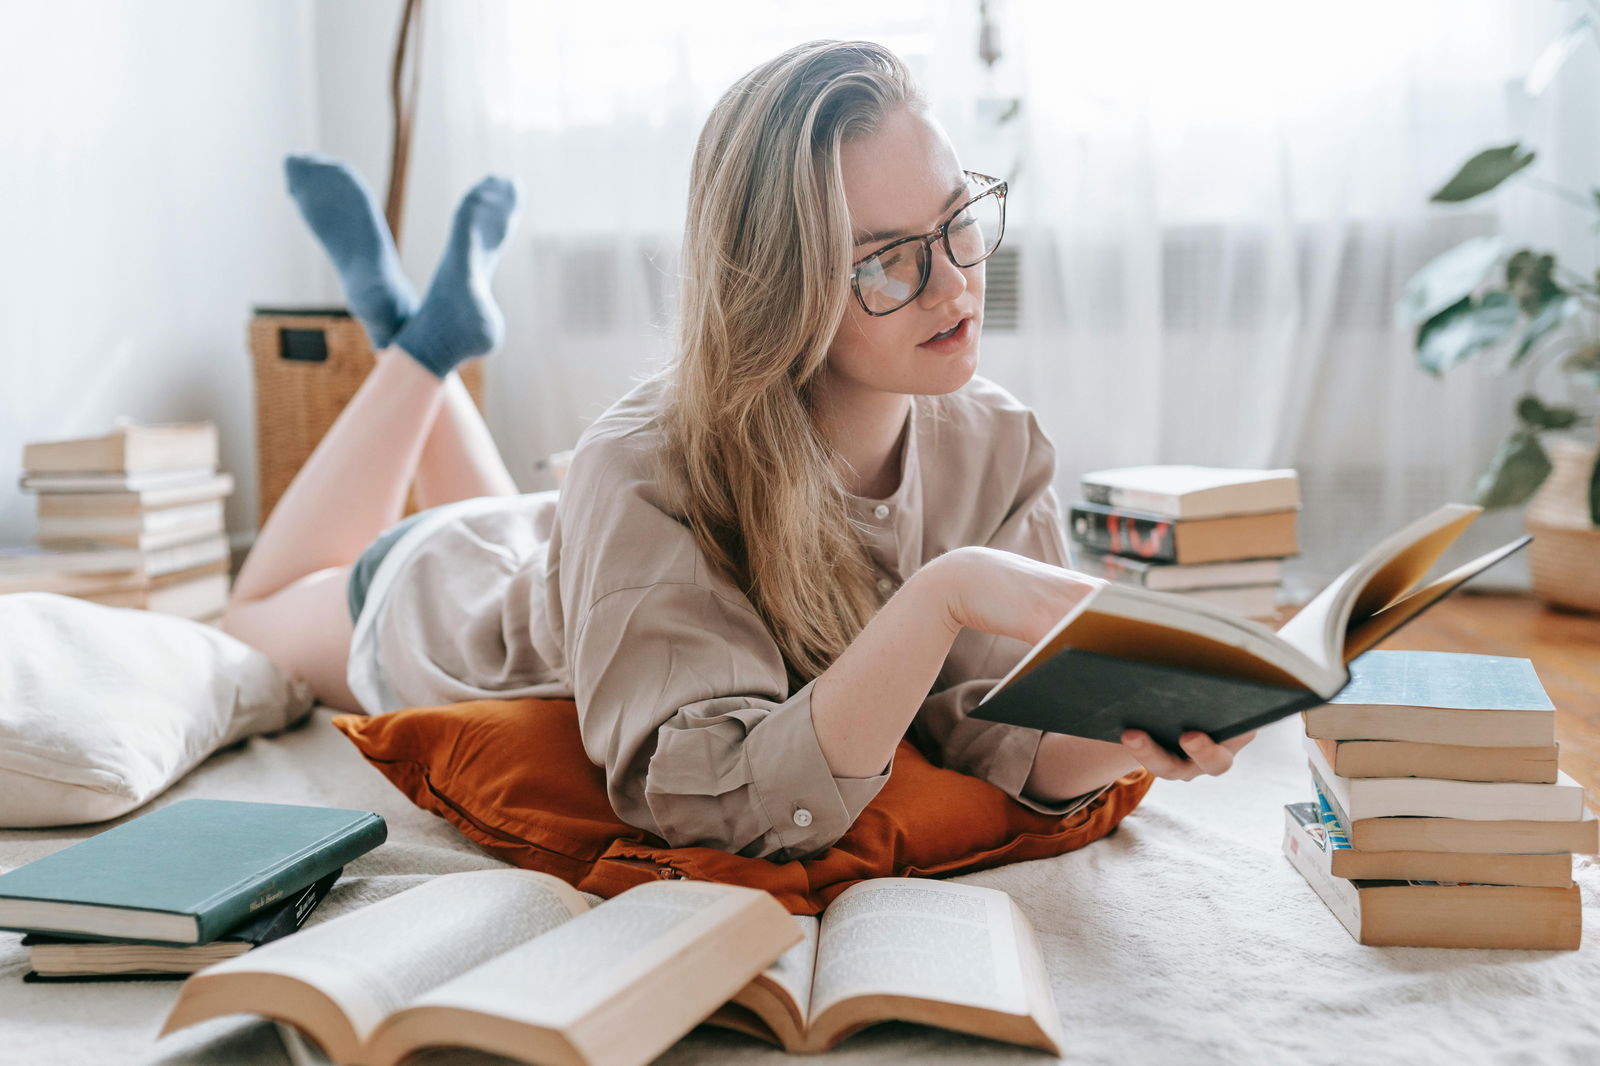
975 232
892 277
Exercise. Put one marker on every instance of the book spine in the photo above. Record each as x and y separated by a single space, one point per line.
1125 534
226 910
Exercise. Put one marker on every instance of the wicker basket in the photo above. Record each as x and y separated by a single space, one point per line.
308 363
1564 557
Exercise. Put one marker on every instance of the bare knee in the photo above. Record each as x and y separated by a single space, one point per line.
304 628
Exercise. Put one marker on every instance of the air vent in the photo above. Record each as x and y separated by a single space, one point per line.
1002 300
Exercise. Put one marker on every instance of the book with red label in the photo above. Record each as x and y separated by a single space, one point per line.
1146 535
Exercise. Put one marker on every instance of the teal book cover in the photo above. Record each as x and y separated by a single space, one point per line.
1443 679
186 873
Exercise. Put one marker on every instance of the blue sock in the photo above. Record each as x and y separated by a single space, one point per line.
340 209
458 318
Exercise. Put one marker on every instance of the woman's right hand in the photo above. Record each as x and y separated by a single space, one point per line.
1001 592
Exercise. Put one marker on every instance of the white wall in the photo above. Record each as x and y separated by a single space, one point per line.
142 214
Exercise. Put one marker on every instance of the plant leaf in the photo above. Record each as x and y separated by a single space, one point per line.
1554 57
1584 364
1447 279
1516 471
1463 329
1549 317
1536 416
1594 492
1482 173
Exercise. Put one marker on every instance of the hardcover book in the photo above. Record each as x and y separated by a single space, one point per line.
512 962
185 873
1426 797
1131 657
654 962
62 959
209 487
1426 914
1174 577
1454 762
1144 535
867 960
147 481
1193 491
1552 870
1439 697
128 449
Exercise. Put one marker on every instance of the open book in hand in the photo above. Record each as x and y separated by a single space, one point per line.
896 949
1128 657
511 962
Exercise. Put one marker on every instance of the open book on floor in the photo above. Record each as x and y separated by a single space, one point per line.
511 962
895 949
1128 657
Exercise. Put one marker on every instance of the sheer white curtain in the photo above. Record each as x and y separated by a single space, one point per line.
1213 209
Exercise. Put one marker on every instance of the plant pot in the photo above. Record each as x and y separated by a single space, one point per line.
1564 557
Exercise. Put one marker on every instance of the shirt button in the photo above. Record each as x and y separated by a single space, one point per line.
881 511
802 817
885 586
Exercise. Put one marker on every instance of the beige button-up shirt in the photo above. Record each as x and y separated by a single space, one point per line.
602 595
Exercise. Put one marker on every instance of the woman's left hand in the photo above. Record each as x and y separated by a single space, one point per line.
1206 756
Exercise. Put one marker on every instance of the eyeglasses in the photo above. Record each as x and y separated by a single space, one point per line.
893 276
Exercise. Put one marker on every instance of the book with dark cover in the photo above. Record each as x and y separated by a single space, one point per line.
1146 535
63 959
1171 577
1127 657
185 873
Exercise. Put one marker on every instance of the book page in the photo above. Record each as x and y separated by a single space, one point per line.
375 960
563 975
1382 575
794 968
923 939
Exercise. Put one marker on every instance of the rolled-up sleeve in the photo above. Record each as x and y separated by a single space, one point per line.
998 753
684 699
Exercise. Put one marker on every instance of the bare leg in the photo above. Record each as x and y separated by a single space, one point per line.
289 597
459 460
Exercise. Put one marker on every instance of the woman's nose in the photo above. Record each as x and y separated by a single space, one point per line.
946 281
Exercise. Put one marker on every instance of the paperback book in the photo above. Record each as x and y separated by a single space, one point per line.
522 966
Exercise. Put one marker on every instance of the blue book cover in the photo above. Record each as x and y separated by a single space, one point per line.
1443 679
186 873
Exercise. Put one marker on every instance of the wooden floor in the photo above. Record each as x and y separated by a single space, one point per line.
1564 648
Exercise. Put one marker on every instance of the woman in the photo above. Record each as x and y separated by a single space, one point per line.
763 558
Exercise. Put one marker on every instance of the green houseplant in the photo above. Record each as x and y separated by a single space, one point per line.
1517 308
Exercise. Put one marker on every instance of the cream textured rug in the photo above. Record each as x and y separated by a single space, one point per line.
1184 937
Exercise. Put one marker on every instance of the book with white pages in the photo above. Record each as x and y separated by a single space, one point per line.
112 481
118 502
1357 798
206 515
1190 492
1126 657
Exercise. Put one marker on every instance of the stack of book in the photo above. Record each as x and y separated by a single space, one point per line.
1207 533
1441 818
130 519
181 888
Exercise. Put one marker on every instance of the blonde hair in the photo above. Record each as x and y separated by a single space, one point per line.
766 255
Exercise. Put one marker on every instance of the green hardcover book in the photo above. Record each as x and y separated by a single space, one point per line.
186 873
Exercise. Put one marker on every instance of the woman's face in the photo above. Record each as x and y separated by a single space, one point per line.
899 180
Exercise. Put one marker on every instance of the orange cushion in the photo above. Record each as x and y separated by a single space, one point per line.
513 777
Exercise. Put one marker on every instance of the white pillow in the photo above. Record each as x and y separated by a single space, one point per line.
103 708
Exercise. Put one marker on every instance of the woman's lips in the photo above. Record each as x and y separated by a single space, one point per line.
955 342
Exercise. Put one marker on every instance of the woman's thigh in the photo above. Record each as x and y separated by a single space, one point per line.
305 628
